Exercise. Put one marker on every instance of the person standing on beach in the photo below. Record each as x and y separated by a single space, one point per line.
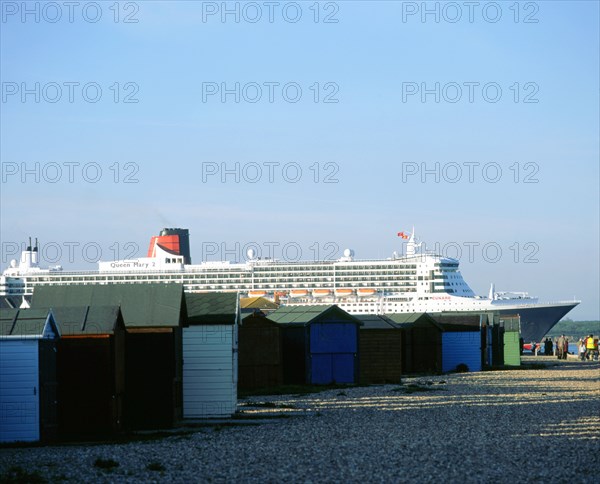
589 347
548 347
565 349
581 348
559 346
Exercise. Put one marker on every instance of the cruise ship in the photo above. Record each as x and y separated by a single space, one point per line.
415 282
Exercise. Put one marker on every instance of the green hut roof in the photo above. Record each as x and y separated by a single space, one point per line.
212 308
413 320
142 305
302 315
376 321
26 323
88 320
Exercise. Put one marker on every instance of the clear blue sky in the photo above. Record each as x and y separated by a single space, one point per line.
371 136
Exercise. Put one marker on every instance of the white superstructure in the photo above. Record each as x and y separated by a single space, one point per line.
415 282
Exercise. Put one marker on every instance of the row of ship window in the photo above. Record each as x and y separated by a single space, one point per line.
336 268
239 276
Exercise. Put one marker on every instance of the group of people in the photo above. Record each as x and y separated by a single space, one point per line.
588 348
548 347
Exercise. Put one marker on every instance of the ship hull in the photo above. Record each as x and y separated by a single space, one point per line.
537 321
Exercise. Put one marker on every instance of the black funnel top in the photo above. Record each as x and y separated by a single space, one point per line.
184 242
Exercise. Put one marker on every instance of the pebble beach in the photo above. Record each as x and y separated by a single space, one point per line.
527 425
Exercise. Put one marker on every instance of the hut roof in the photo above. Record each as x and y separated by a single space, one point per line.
27 323
88 320
257 303
303 315
9 302
376 321
212 308
254 314
413 320
142 305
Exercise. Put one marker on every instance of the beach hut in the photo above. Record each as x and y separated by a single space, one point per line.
210 355
464 341
153 355
260 355
421 342
90 370
320 344
380 348
511 326
152 316
27 375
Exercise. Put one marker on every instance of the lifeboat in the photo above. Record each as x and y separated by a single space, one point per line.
344 292
256 293
298 293
321 292
366 292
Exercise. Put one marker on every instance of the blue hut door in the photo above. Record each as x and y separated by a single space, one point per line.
333 348
332 368
321 369
343 368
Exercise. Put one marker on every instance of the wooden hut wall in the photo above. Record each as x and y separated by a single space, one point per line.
497 345
294 355
209 371
512 345
380 353
90 393
28 415
421 350
91 372
210 355
260 355
48 389
511 325
19 375
152 378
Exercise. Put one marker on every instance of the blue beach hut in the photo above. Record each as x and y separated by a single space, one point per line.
320 344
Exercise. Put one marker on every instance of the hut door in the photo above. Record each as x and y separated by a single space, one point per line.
333 347
343 368
321 369
19 392
332 368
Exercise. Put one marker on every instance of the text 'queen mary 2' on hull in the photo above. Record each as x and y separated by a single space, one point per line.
413 283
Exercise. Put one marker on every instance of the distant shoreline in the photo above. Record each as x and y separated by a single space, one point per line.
574 329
